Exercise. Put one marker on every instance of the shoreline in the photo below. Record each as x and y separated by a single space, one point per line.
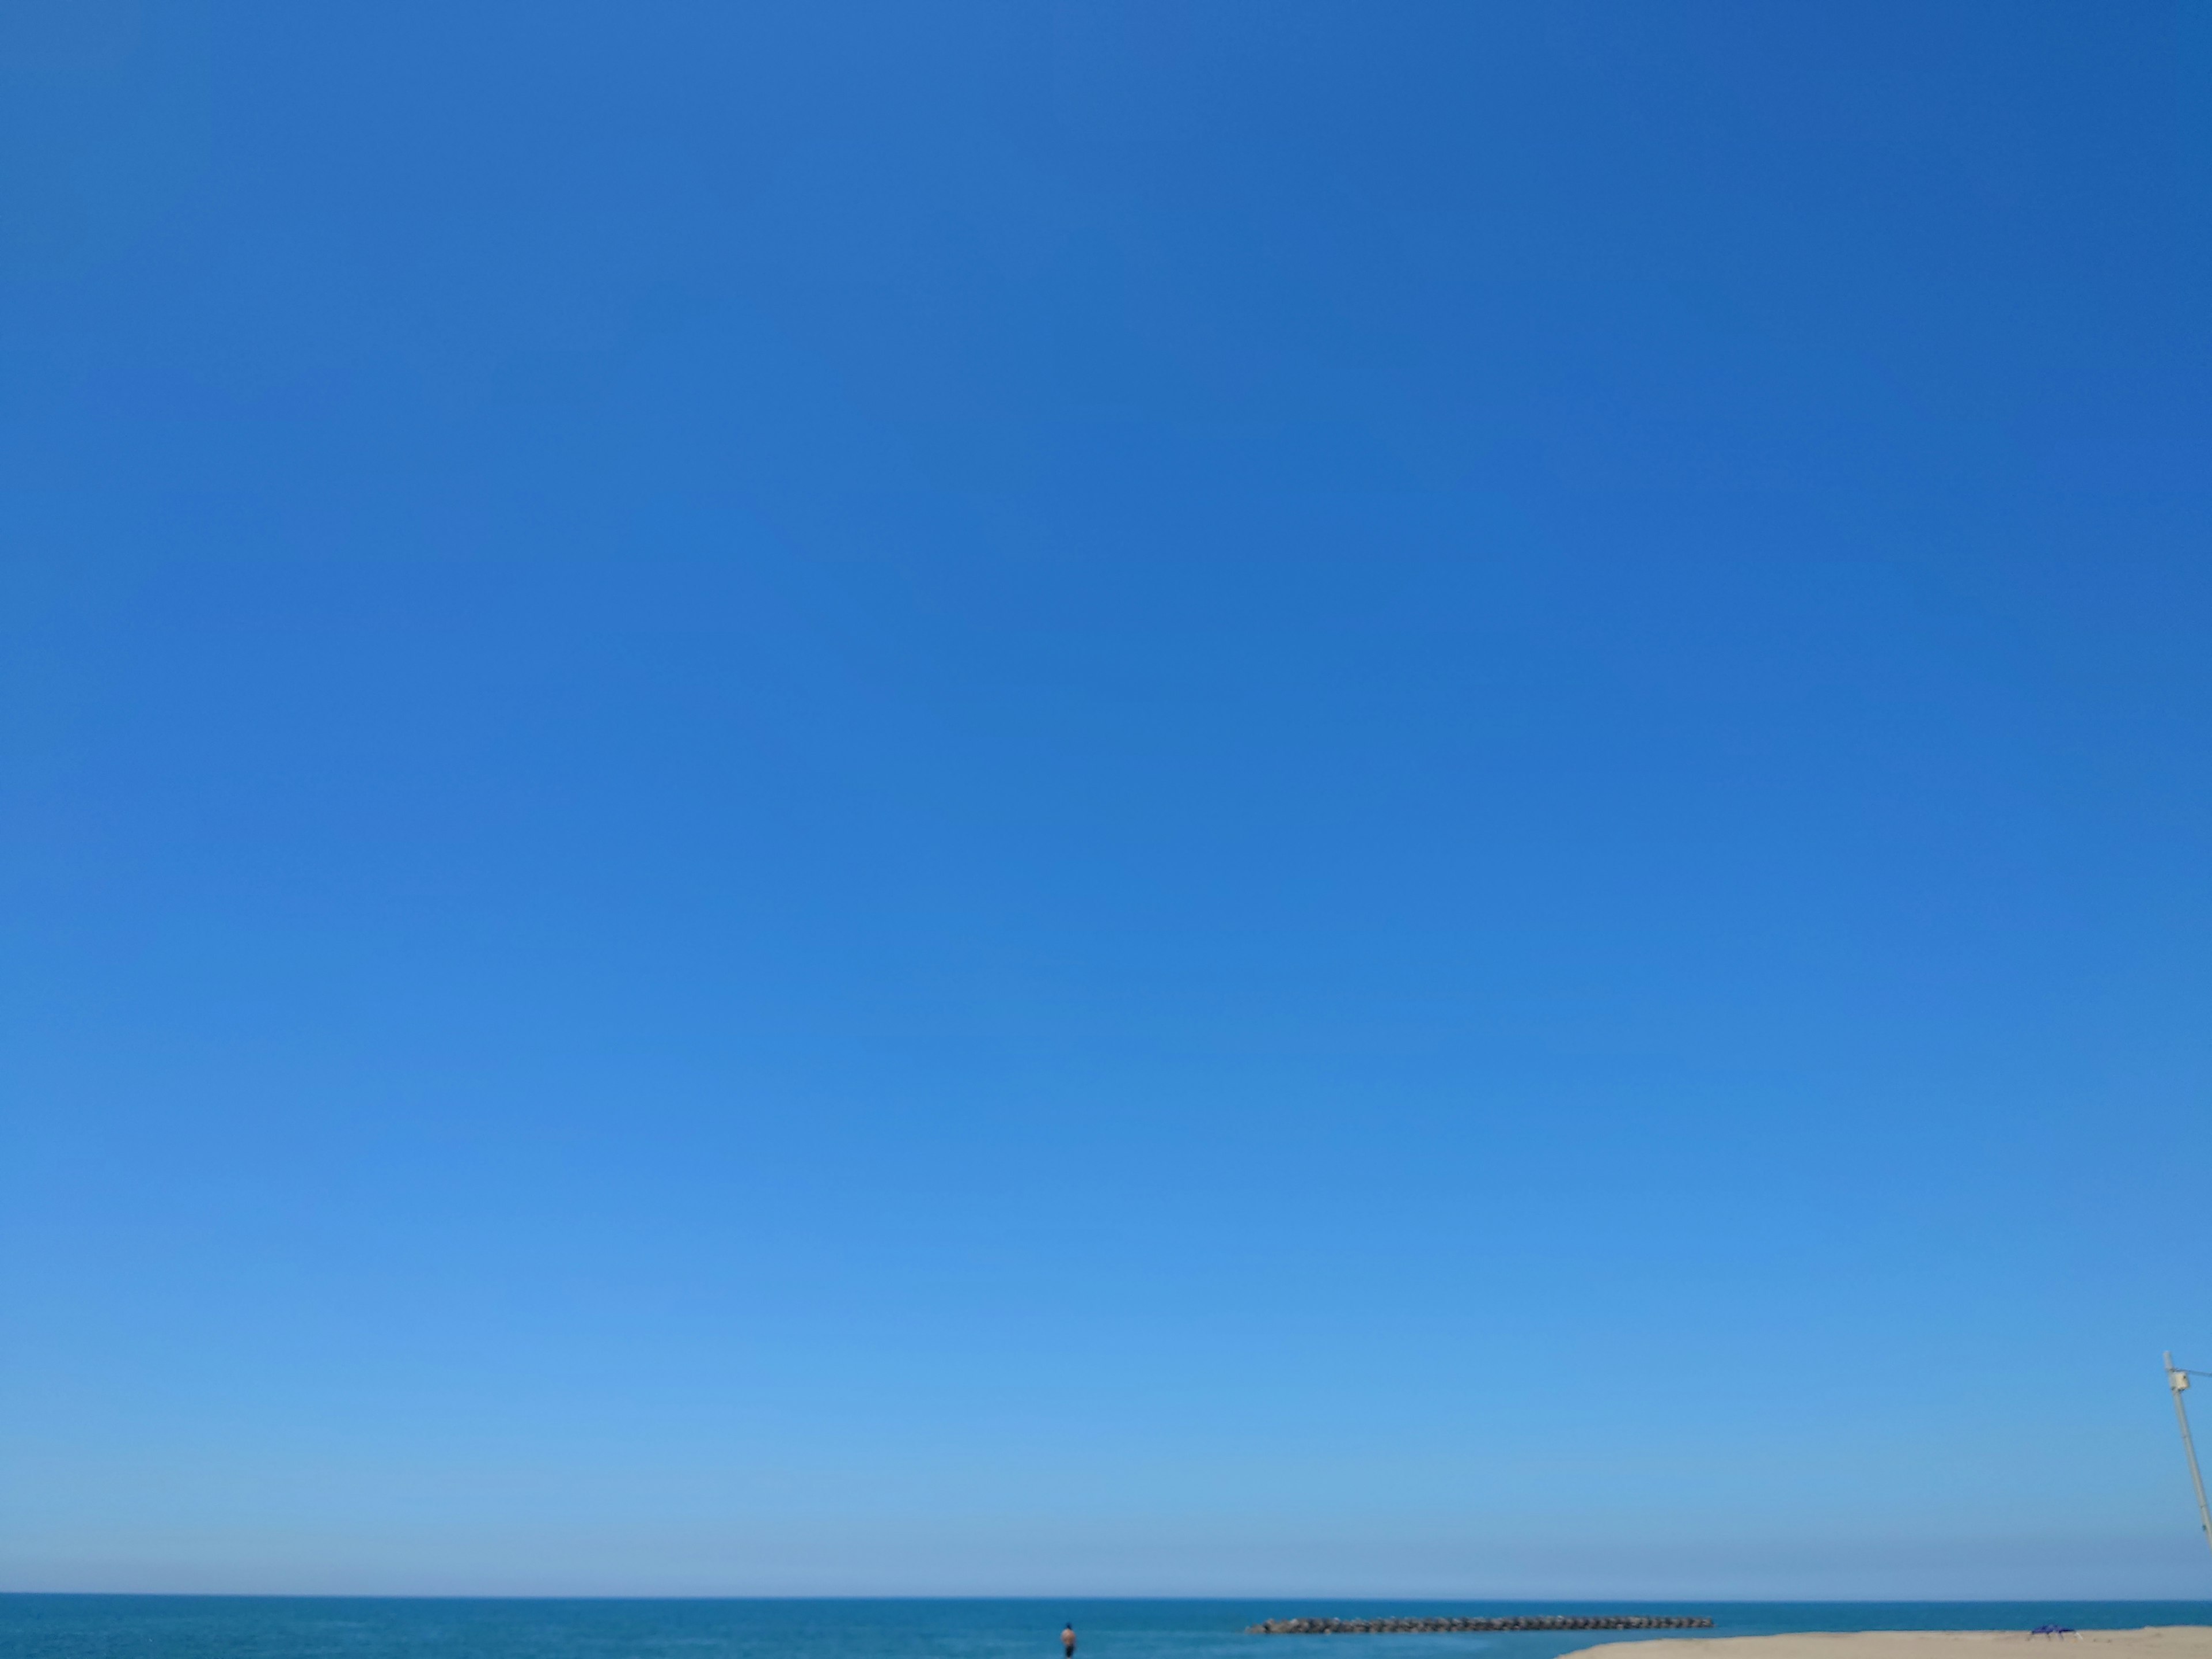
2151 1641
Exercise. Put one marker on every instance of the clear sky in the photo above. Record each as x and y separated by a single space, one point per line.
1105 797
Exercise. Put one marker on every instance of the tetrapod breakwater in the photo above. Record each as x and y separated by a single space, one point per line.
1517 1621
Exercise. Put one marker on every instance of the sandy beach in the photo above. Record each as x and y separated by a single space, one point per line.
2157 1642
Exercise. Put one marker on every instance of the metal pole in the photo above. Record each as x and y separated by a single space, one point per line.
2177 1380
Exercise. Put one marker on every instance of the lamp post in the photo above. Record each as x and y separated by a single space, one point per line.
2177 1380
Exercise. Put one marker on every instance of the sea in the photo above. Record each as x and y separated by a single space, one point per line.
315 1628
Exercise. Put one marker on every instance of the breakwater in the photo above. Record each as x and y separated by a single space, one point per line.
1519 1621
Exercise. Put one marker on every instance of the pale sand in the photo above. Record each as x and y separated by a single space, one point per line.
2158 1642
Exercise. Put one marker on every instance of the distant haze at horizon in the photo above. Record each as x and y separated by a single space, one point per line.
1288 800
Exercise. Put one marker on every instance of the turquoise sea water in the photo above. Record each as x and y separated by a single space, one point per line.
250 1627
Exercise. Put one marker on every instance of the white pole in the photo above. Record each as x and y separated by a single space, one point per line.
2177 1380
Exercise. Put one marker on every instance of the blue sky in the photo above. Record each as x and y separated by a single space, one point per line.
1104 798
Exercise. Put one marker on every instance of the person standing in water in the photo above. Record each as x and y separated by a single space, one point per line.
1067 1640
